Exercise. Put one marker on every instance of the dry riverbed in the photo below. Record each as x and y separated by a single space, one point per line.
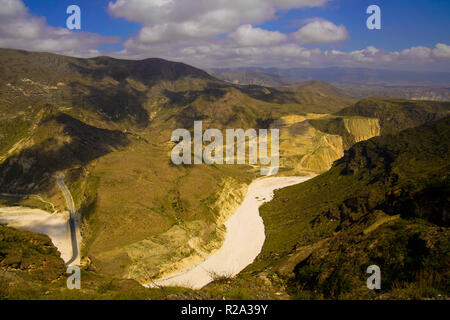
243 242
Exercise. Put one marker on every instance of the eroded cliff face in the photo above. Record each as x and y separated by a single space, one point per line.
362 128
305 148
327 149
185 244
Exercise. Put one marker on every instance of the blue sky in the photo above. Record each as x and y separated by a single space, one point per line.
266 34
405 23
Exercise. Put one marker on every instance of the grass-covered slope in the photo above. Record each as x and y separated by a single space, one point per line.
26 258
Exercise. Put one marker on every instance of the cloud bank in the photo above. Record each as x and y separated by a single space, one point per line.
224 33
214 33
20 30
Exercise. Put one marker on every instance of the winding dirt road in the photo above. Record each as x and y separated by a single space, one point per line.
73 223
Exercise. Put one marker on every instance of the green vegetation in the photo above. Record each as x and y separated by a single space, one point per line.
322 234
12 131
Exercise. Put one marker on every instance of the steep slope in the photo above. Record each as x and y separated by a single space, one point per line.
312 142
384 203
104 85
26 258
31 268
59 142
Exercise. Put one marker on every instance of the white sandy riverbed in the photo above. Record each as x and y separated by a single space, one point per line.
56 226
243 242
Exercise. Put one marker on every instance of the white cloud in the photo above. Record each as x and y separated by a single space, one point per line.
442 51
154 12
207 32
320 31
20 30
11 8
169 20
246 35
418 52
222 53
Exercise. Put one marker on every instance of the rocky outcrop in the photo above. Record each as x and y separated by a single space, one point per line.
313 142
362 128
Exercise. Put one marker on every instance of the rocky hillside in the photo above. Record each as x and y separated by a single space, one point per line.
25 258
384 203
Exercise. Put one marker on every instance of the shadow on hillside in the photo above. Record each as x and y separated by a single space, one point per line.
33 168
114 103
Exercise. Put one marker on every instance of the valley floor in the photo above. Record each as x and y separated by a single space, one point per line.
243 242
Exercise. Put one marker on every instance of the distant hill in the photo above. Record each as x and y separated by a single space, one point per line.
359 82
249 77
16 64
349 75
435 92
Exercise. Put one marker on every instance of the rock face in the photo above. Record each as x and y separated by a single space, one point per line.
314 142
362 128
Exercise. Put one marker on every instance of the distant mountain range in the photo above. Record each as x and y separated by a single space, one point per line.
341 75
359 82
